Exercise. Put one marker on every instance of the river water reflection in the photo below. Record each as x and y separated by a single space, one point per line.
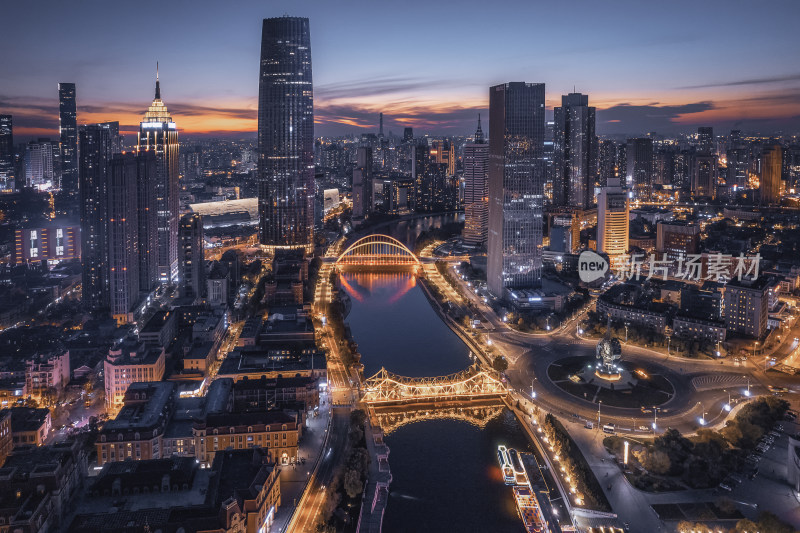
445 473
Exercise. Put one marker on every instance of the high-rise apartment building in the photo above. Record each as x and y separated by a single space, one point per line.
612 219
705 140
42 164
159 134
123 237
362 183
704 175
192 260
68 130
574 152
738 162
6 153
95 153
476 189
286 134
771 166
516 188
747 305
639 167
607 161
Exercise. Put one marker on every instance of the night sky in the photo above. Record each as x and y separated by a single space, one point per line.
647 66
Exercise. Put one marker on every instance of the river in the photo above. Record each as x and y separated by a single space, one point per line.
445 473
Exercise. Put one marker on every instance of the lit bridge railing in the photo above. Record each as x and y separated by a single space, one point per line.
390 421
473 383
377 251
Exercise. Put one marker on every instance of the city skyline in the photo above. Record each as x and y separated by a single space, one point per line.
651 81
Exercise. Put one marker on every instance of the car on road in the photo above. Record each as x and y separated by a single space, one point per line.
725 486
644 428
589 425
753 474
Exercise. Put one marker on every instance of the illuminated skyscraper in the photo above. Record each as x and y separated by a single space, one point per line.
362 183
95 153
6 153
68 128
612 219
158 133
516 146
574 151
286 134
476 189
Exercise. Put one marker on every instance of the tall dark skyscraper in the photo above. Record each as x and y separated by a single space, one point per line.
606 161
574 152
68 128
147 174
123 237
95 153
6 153
362 183
158 133
639 167
286 134
476 189
193 267
516 195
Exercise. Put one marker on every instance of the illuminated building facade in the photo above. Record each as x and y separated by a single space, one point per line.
286 134
612 219
771 166
6 154
159 134
476 189
49 243
516 196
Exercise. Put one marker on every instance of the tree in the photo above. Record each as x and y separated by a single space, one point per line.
500 364
657 462
352 483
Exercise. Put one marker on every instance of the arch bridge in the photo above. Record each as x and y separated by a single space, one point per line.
377 252
386 388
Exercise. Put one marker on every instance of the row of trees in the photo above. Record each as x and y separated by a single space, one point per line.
767 523
345 491
574 464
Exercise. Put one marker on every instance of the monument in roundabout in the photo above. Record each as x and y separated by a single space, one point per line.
607 372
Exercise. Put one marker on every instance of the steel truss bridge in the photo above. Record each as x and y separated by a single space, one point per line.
392 419
377 251
385 388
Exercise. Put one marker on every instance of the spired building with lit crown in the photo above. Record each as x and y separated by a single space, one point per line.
158 133
516 196
476 192
286 134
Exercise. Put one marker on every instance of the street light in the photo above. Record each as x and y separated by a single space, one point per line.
599 403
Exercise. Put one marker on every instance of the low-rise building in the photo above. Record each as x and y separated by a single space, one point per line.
137 431
160 329
747 306
128 362
47 374
276 431
30 425
698 328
